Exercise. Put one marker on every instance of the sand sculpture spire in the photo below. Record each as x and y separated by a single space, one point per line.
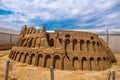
43 29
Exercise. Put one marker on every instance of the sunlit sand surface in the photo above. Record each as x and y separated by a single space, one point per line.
23 71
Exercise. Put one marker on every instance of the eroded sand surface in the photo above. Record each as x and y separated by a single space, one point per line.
28 72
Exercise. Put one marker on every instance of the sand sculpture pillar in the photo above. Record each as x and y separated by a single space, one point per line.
44 42
38 41
28 30
61 63
70 45
15 54
25 42
75 45
33 42
22 58
80 61
59 43
91 47
52 60
96 65
87 65
43 61
78 46
96 47
85 47
18 57
23 31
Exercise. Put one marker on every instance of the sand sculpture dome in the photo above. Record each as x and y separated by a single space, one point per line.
62 49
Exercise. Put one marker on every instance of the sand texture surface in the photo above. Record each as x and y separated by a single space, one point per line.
23 71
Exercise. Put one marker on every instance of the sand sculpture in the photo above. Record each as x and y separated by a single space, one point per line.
62 49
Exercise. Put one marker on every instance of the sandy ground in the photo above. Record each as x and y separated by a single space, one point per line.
28 72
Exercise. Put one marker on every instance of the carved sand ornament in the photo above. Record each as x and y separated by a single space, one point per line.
62 49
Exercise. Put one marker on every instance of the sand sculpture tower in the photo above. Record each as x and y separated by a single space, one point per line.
65 50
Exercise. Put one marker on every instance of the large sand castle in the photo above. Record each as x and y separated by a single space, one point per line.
62 49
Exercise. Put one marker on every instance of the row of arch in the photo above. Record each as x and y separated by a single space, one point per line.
28 42
37 60
81 45
35 42
57 61
91 64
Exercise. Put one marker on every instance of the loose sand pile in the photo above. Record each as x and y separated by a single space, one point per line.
28 72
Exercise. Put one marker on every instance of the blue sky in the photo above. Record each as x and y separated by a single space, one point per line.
60 14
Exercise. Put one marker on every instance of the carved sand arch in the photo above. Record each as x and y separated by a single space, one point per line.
104 62
52 42
26 58
81 45
76 63
48 61
32 59
92 65
56 63
16 55
13 55
67 44
39 60
74 44
20 56
84 63
99 63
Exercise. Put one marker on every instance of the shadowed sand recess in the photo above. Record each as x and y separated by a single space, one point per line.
65 50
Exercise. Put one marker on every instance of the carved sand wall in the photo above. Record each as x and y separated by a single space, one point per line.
65 50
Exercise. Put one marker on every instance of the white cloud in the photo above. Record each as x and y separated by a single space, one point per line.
37 27
48 10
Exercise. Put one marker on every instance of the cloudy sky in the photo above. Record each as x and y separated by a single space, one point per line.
60 14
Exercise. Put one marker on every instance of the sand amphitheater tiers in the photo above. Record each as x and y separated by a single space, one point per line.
62 49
